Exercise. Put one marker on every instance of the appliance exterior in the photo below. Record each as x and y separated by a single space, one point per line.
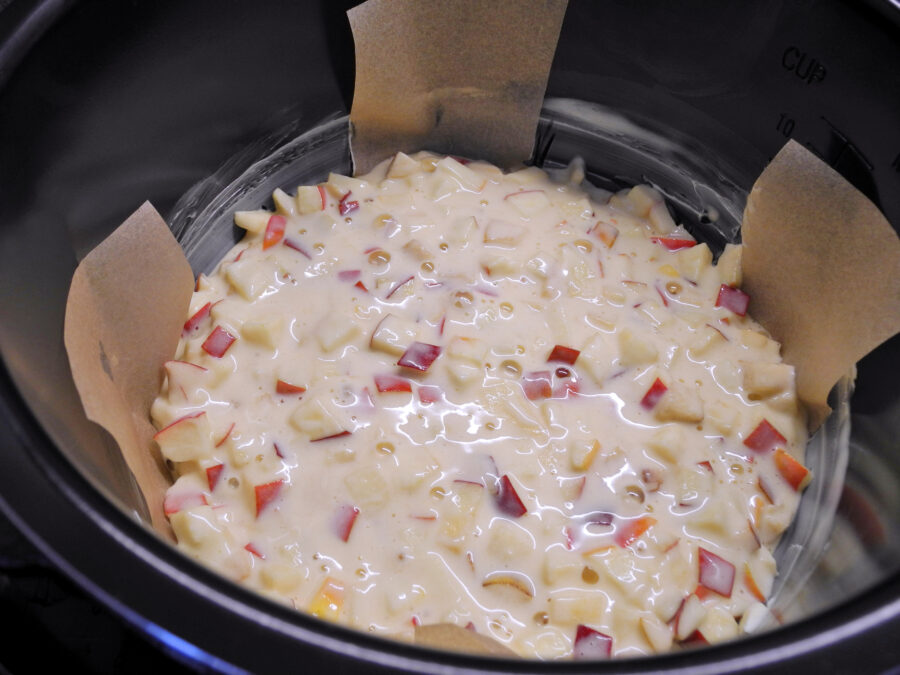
105 104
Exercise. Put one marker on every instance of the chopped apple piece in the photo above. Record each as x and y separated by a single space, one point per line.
528 202
654 394
668 443
263 333
605 232
419 356
280 577
336 330
597 357
284 203
797 475
463 231
591 644
198 528
658 634
394 335
248 278
716 573
367 487
252 221
704 340
693 262
468 179
764 438
734 299
661 219
187 438
582 453
463 374
561 565
471 350
729 265
722 416
402 166
501 233
759 573
310 199
634 350
266 494
184 380
417 250
508 540
500 266
679 404
328 601
763 380
507 499
755 616
338 186
628 531
690 616
718 625
314 419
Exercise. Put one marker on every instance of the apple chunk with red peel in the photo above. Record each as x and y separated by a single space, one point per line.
393 335
507 499
192 325
213 473
310 199
654 394
184 379
537 385
764 438
734 299
288 389
797 475
419 356
673 243
344 518
591 644
391 383
178 501
218 342
187 438
716 573
561 354
266 493
274 231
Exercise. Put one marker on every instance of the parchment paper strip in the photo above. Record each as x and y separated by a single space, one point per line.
124 314
822 266
462 77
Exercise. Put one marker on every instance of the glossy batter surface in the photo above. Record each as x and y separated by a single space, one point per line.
441 393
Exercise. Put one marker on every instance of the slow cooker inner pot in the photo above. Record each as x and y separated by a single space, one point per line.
118 103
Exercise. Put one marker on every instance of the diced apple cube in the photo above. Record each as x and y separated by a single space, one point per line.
463 374
402 166
658 634
528 202
252 221
284 203
184 379
774 519
693 261
500 266
509 541
755 617
661 219
467 178
248 278
310 199
668 443
443 186
367 487
198 528
570 607
187 438
417 250
704 339
679 403
328 602
596 358
729 265
635 350
339 185
760 572
394 335
576 207
264 333
468 349
336 330
463 231
314 418
718 625
762 380
722 417
561 565
582 452
281 577
501 233
640 199
692 614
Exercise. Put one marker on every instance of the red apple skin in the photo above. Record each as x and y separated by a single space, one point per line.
266 493
765 438
507 499
218 342
419 356
673 243
591 644
563 354
716 573
344 519
654 393
734 299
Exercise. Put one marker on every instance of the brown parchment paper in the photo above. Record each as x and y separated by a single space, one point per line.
461 77
822 267
124 315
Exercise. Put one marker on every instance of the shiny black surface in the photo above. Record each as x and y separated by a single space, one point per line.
119 102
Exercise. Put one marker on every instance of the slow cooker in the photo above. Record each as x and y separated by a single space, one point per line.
106 104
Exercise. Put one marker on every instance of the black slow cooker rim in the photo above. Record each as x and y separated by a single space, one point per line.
216 624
